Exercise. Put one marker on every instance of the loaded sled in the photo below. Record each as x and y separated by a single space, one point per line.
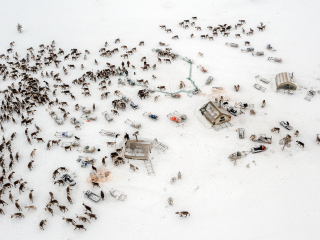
232 45
259 149
247 50
87 149
258 54
177 118
75 122
262 138
209 80
150 115
286 125
275 59
63 134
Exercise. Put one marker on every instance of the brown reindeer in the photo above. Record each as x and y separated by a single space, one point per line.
87 208
30 208
79 227
17 205
275 129
30 165
69 220
56 142
134 168
91 215
83 219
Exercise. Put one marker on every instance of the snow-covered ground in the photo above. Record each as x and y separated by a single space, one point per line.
271 195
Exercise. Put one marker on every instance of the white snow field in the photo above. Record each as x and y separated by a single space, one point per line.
271 195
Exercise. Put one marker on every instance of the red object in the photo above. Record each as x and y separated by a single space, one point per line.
88 120
175 119
264 148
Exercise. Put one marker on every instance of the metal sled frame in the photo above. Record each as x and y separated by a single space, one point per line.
262 79
107 133
118 195
155 143
133 124
218 127
259 87
107 116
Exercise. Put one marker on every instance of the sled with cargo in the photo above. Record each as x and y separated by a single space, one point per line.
262 138
275 59
150 115
247 50
63 135
286 125
177 118
258 54
259 149
232 45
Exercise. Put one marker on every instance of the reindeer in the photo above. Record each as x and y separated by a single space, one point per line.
300 143
69 220
156 98
263 103
69 199
31 196
17 215
296 133
59 182
30 165
17 205
79 227
87 208
62 208
56 142
161 88
95 184
31 208
184 213
83 219
42 223
238 35
275 129
134 168
91 215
